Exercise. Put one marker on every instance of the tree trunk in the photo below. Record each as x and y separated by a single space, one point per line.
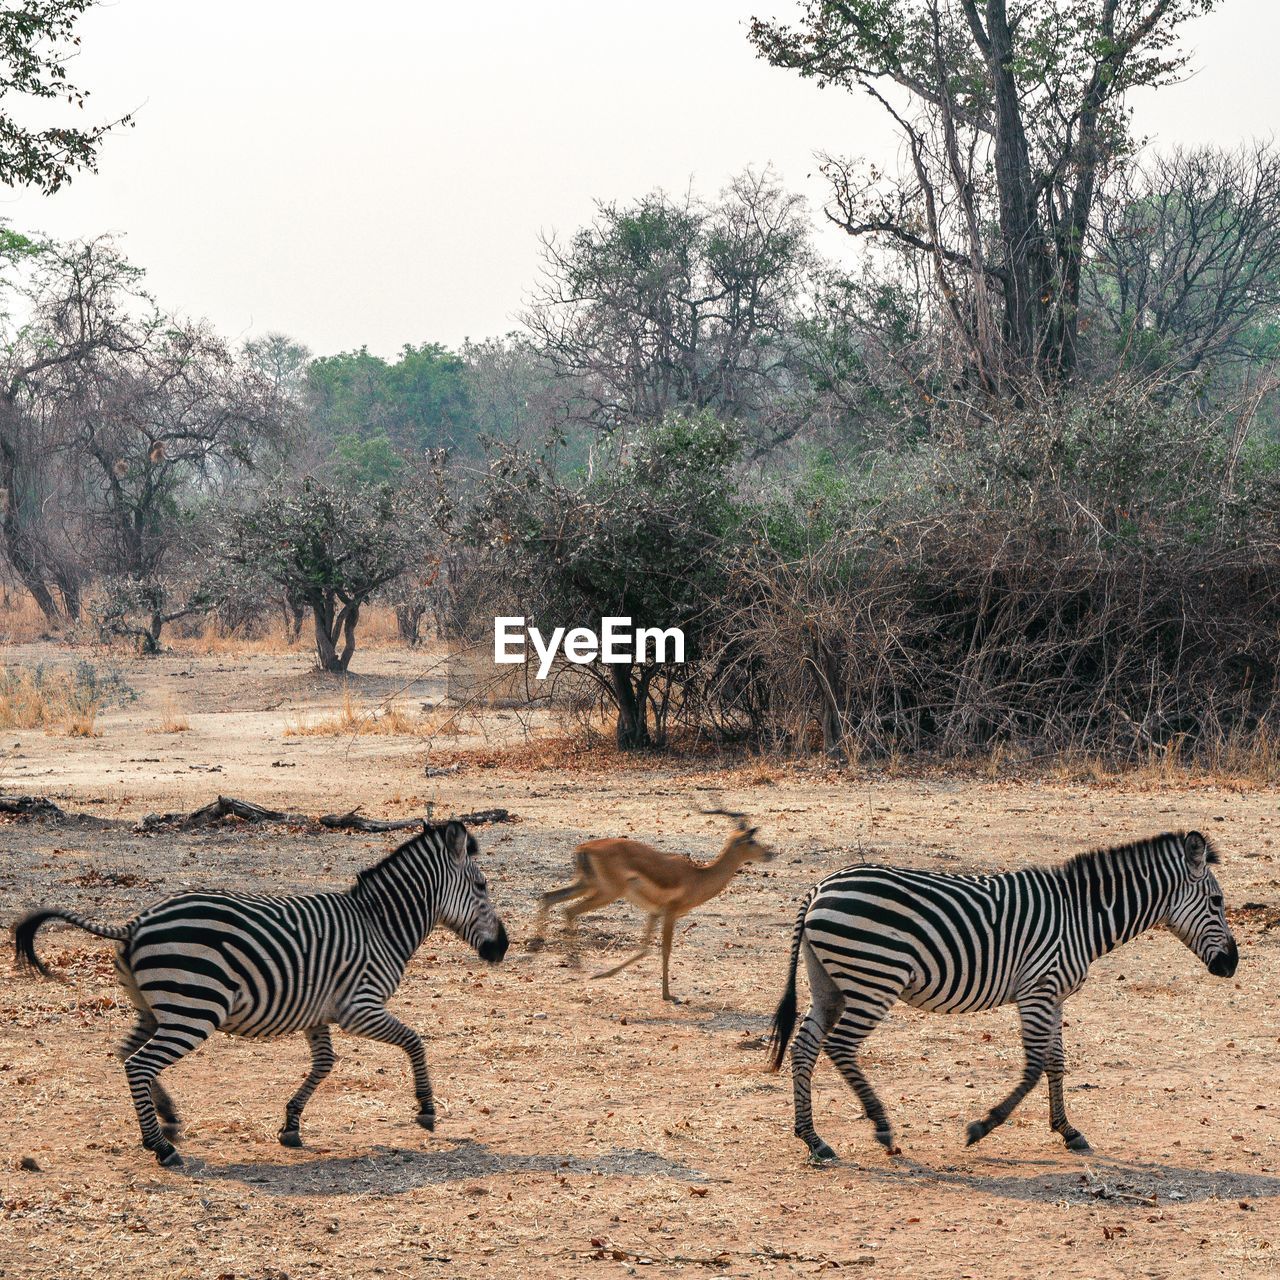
326 649
829 688
332 625
409 623
633 727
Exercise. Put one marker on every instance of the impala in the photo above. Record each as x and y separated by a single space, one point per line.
664 886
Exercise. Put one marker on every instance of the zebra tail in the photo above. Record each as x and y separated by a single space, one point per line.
24 935
784 1018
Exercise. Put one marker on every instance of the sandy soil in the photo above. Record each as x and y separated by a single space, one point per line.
586 1127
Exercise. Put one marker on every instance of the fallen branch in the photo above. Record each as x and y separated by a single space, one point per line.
352 821
217 811
229 807
31 807
42 809
225 807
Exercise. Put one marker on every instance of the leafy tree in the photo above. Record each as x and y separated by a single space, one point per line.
37 40
1013 113
636 538
365 460
329 546
419 401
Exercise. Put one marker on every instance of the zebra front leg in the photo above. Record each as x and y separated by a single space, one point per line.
322 1059
373 1022
165 1046
1055 1069
824 1009
1038 1017
143 1030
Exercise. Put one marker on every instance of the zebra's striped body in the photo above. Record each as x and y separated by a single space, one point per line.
871 936
256 965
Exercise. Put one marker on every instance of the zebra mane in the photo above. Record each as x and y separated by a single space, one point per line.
1127 853
372 874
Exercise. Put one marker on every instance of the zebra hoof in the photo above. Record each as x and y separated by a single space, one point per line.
820 1153
427 1119
167 1156
1078 1143
290 1138
976 1132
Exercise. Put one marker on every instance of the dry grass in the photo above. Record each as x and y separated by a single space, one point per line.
353 720
54 700
377 630
21 621
173 719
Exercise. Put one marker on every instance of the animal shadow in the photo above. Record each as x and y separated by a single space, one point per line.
1100 1179
396 1170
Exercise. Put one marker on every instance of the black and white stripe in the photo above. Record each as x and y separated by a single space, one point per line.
871 936
257 965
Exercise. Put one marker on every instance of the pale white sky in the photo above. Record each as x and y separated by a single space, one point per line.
378 172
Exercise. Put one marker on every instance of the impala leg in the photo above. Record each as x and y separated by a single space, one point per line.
646 945
322 1059
373 1022
593 901
1039 1015
825 1003
545 903
1055 1069
668 933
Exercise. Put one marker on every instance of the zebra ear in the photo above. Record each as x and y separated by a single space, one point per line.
1196 849
455 839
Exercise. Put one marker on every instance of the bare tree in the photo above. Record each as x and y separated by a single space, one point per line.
157 434
1184 263
84 303
671 304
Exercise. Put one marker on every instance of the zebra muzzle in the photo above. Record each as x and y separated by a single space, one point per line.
493 949
1223 965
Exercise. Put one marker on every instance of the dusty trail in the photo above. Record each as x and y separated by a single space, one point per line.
584 1124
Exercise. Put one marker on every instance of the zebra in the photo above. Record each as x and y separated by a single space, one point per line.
873 935
258 965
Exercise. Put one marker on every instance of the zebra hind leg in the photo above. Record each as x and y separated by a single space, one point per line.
373 1022
165 1046
322 1059
1038 1016
1056 1068
859 1019
825 1003
143 1030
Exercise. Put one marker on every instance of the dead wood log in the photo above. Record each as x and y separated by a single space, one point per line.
218 810
229 807
352 820
31 807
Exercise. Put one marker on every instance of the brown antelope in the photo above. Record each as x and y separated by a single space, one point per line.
663 885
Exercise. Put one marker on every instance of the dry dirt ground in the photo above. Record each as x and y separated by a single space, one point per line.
586 1128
